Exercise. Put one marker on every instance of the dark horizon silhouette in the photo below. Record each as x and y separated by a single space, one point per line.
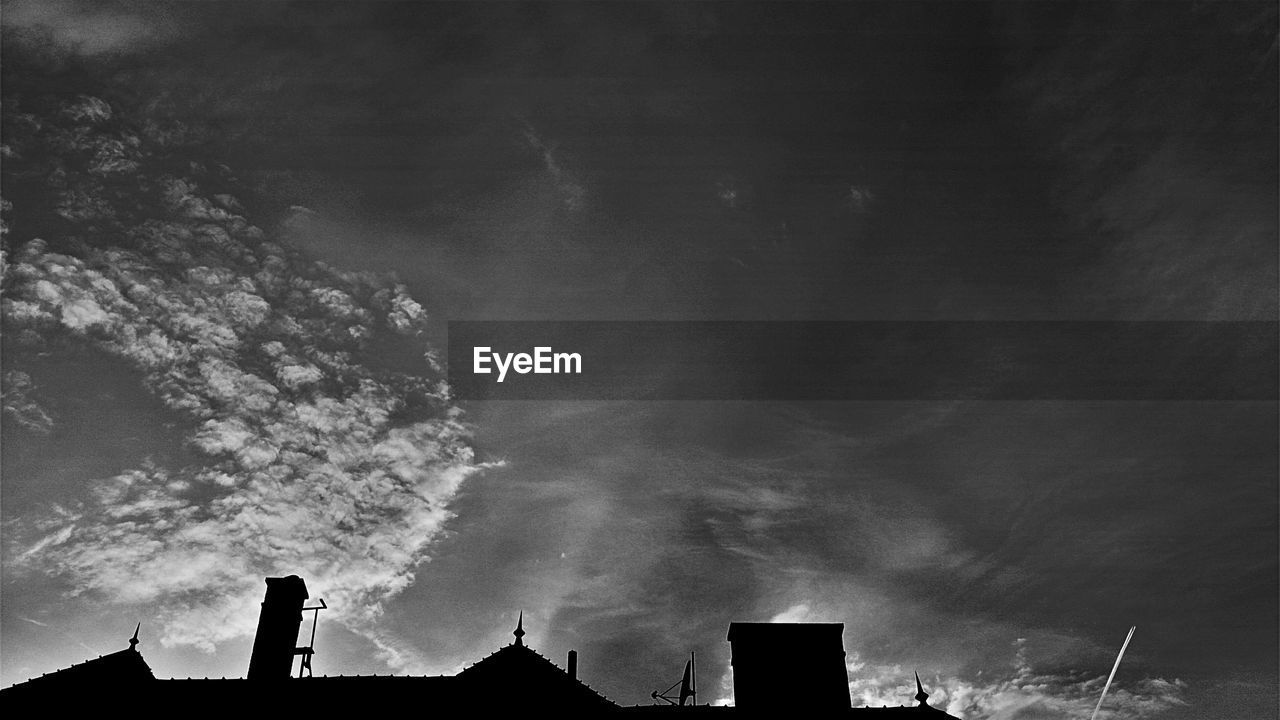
778 669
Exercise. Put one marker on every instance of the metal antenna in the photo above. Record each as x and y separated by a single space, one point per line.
1112 676
688 685
693 678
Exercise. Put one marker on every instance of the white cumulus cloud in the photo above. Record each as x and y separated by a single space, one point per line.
310 457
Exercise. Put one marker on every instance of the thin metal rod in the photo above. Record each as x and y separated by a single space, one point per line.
693 676
315 619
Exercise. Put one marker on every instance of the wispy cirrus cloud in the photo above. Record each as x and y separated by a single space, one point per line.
1025 693
95 28
1170 186
571 190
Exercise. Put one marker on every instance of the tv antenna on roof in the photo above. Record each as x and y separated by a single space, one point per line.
309 650
1112 676
688 686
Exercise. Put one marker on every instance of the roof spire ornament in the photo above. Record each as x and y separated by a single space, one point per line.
921 695
519 631
133 641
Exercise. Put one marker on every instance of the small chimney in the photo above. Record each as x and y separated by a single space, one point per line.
273 646
573 664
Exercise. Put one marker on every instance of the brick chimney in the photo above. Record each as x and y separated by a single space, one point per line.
273 646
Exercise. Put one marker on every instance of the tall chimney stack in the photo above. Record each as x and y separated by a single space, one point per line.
273 646
573 664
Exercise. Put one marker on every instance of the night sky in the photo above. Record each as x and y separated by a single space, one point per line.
235 233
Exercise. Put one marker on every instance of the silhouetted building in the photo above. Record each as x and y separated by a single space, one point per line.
796 669
789 666
100 677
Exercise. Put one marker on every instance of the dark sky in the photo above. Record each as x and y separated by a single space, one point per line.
764 161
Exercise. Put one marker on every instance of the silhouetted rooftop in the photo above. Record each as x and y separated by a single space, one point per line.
121 667
514 678
535 673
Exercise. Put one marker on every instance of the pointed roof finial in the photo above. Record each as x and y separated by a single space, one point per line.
519 631
921 695
133 641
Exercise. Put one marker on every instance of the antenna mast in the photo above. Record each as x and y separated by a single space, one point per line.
693 679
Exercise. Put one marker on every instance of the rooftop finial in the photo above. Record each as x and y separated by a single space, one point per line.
133 641
519 631
921 695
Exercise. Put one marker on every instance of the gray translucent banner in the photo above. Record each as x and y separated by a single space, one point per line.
863 360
